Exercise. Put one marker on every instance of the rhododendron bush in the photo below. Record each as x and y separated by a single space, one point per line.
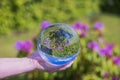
98 58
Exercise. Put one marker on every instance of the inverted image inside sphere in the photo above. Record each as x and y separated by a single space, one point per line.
59 40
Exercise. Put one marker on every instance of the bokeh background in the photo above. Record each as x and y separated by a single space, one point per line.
22 20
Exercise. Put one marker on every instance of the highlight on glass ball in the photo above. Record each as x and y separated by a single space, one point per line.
58 44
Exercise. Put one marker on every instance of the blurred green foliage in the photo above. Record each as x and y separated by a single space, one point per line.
23 15
88 66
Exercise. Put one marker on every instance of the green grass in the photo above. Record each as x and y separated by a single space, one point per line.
7 48
112 27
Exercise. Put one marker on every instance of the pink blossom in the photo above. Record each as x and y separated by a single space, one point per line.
99 26
44 24
25 46
115 78
107 50
106 75
94 46
116 60
28 46
82 29
60 48
19 45
67 43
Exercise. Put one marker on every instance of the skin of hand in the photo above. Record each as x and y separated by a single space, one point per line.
15 66
45 66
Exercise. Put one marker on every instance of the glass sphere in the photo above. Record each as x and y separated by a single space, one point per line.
58 44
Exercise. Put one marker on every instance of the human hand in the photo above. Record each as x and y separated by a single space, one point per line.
45 66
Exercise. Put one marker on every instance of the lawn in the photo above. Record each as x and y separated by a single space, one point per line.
111 35
7 48
112 27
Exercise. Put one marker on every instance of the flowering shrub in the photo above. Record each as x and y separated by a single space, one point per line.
82 29
97 60
24 47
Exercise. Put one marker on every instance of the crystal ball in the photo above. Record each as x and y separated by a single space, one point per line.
58 44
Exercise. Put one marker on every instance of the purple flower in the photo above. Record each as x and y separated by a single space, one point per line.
94 46
67 43
77 26
107 50
44 24
102 52
46 42
19 45
60 48
82 29
99 26
115 78
26 46
116 60
106 75
83 34
85 27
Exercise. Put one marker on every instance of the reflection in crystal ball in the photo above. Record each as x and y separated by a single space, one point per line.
59 41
